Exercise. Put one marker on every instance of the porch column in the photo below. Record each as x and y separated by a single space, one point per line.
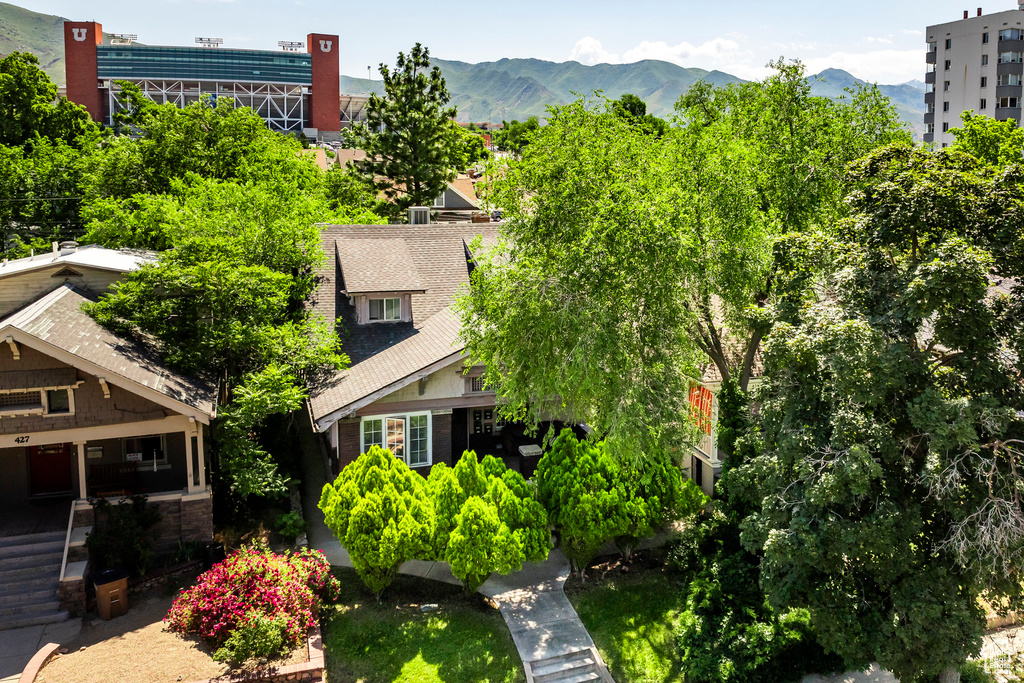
82 490
202 456
190 485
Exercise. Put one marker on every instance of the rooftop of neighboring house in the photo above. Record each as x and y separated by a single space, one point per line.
429 263
55 324
88 256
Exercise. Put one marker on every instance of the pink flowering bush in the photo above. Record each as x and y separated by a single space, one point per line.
250 589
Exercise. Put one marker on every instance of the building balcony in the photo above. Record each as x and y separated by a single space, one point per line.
1007 113
1010 46
929 118
931 57
1008 91
1010 68
929 98
929 137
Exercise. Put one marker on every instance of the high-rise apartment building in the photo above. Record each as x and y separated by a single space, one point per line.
975 63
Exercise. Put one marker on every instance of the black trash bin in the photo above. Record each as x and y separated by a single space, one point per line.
212 554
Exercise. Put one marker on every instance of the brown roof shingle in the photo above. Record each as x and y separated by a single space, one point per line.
58 319
376 265
385 353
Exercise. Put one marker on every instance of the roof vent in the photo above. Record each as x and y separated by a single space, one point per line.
69 247
419 215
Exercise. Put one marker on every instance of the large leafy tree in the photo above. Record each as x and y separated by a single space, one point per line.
996 143
412 144
29 106
626 257
379 510
887 491
488 519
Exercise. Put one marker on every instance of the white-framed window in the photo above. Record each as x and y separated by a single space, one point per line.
438 202
1011 34
385 309
1011 57
1008 102
406 436
47 402
1009 79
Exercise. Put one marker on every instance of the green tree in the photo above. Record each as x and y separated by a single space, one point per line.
488 519
579 484
469 149
29 106
996 143
887 494
656 494
379 510
711 227
215 141
515 136
412 145
634 110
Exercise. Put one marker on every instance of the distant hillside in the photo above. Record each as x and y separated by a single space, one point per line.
519 88
503 90
23 30
907 98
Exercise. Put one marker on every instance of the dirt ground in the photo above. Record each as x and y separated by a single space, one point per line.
137 648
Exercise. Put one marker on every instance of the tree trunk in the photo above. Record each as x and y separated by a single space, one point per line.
949 675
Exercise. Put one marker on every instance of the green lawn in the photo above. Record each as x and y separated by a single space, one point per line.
465 640
632 619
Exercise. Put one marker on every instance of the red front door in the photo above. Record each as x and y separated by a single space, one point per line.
49 469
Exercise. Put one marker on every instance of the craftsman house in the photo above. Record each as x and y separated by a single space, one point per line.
83 414
390 289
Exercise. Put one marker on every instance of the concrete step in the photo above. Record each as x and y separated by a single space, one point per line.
27 539
29 609
31 549
572 676
22 621
50 572
557 665
46 559
28 582
26 593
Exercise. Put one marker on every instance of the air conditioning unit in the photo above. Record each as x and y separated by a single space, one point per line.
419 215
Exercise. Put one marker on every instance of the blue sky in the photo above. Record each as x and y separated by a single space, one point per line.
876 40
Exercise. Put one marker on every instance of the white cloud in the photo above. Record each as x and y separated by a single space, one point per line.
912 32
886 66
712 54
590 51
880 66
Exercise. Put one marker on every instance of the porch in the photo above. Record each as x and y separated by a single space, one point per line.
149 456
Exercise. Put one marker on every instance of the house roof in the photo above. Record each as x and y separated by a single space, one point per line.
463 186
88 256
376 265
56 322
386 354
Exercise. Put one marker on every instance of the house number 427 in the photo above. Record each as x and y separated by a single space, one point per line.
21 439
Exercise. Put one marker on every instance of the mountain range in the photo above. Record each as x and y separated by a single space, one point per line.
503 90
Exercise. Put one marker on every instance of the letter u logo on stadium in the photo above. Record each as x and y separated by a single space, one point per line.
325 46
79 33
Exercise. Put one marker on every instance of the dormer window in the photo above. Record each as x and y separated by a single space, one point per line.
385 309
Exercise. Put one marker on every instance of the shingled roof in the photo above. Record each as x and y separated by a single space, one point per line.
384 355
58 322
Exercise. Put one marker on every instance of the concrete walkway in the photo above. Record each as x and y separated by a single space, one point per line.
17 645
